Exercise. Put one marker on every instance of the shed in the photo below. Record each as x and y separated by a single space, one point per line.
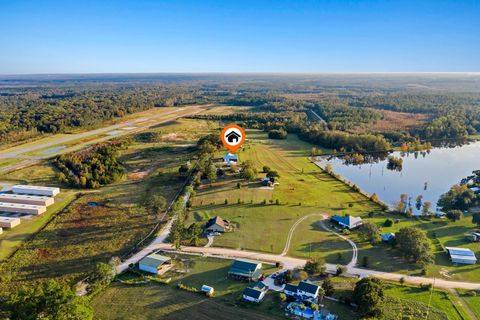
8 222
155 263
26 199
207 290
22 208
461 255
348 222
246 270
36 190
253 294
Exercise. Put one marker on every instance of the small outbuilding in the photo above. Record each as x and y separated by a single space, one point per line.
253 294
155 263
217 224
347 222
1 230
207 290
9 222
461 255
244 269
36 190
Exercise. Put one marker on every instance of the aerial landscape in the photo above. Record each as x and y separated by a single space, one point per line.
181 160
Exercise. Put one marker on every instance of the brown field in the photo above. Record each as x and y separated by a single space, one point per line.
393 120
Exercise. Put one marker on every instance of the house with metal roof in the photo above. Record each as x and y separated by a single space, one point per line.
230 159
245 270
304 291
461 255
347 222
217 224
253 294
155 263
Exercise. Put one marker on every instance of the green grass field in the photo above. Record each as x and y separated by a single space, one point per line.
71 244
303 190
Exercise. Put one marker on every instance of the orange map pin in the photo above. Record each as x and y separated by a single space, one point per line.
233 137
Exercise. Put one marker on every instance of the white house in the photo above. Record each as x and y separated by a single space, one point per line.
461 255
217 224
26 199
8 222
36 190
290 289
155 263
230 159
307 289
253 294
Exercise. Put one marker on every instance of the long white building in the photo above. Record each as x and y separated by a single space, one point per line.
36 190
22 208
7 222
26 199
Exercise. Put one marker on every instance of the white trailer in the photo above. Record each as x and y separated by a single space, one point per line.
8 222
22 208
26 199
36 190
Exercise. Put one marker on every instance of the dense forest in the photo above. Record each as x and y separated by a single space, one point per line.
352 108
93 167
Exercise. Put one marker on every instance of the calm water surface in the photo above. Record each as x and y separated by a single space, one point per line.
428 174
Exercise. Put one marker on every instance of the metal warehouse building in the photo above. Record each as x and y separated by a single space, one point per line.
461 255
26 199
7 222
22 208
36 190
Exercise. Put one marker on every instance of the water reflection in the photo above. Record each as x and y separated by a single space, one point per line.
425 174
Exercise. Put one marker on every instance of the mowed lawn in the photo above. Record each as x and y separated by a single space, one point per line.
159 301
303 190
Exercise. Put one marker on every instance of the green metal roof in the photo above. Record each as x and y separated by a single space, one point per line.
247 268
154 260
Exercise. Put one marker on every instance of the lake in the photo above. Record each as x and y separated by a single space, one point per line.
429 174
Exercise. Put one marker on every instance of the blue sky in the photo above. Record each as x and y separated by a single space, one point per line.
239 36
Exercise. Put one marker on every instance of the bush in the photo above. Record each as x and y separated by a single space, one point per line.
388 223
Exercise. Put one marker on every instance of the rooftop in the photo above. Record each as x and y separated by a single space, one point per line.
154 260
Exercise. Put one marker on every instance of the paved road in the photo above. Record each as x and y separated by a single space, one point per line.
290 262
30 160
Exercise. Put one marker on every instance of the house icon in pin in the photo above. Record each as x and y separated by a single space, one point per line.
232 137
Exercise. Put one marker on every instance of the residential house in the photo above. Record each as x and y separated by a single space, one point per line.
230 159
217 224
461 255
347 222
304 291
254 294
244 269
155 263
